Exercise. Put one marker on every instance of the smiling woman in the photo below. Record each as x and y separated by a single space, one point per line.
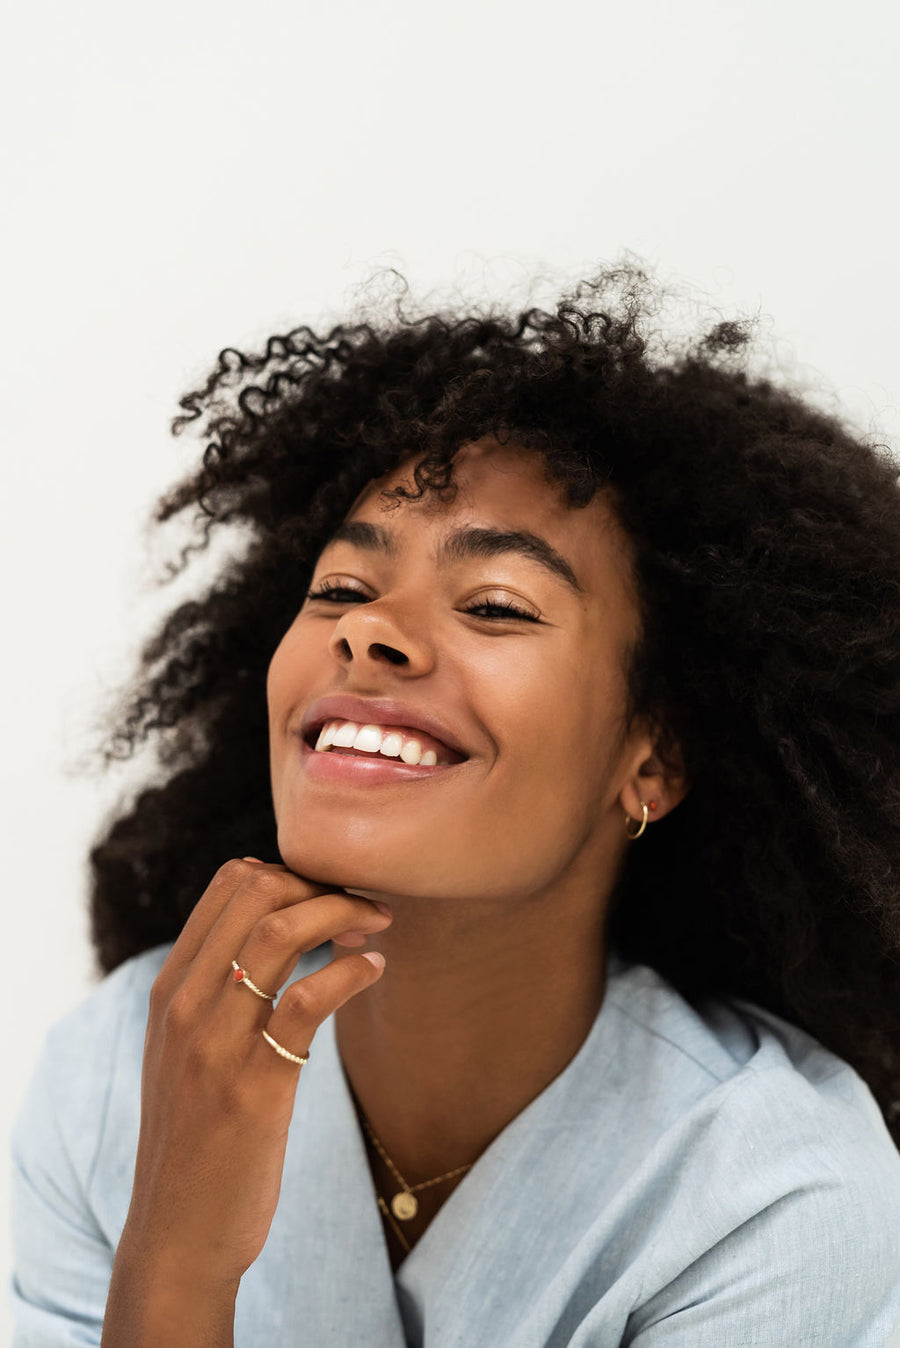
474 616
562 673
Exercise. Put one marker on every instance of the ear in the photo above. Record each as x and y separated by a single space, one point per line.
652 781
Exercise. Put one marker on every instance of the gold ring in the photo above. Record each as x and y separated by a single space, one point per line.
241 976
283 1052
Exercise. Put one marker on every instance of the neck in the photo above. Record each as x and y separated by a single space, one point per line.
476 1013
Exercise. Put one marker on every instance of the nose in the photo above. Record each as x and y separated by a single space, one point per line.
371 634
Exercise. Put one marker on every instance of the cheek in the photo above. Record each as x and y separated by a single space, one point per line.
582 726
287 688
554 773
284 680
557 719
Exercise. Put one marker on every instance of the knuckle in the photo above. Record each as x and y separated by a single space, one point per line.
159 996
232 873
272 885
273 931
301 999
179 1013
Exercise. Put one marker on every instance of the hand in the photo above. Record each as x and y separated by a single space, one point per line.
216 1099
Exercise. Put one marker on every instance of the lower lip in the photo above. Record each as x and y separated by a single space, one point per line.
332 767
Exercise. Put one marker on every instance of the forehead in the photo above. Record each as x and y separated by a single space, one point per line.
507 487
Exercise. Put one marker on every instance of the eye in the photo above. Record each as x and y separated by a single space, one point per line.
338 594
495 609
492 610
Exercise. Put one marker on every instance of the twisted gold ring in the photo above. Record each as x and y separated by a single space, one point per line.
241 976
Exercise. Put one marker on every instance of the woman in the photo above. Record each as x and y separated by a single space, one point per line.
578 661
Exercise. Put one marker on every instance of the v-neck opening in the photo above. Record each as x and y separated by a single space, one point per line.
487 1164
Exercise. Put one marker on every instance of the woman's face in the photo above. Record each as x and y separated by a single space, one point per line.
533 701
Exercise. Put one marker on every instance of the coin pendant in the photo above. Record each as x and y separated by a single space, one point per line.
404 1206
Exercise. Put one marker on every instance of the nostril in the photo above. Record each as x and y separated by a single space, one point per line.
393 655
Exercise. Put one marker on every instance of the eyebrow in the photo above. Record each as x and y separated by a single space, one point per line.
464 542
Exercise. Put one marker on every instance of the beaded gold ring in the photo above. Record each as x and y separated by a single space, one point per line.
283 1052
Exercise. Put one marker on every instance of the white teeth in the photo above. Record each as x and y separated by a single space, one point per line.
372 739
326 735
368 738
345 735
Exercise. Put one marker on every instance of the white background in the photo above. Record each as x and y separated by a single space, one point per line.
180 177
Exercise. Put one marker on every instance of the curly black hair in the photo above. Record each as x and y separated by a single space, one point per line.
767 545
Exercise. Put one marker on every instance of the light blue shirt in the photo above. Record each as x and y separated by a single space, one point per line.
695 1178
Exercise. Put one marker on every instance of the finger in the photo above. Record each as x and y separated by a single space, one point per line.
351 938
242 892
305 1004
270 950
206 912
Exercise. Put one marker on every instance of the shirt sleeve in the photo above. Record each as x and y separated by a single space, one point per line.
63 1262
73 1150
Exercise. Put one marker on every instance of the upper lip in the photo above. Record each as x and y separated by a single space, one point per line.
377 711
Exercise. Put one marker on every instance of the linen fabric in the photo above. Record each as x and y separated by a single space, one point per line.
697 1177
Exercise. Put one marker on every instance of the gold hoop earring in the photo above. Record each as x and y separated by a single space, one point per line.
629 820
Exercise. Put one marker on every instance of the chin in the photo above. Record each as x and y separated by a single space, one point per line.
321 867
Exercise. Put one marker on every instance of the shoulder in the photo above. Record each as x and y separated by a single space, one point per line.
718 1035
84 1043
769 1173
730 1054
730 1064
119 998
84 1046
784 1194
73 1149
88 1069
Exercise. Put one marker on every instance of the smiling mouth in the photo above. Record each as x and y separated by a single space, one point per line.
394 744
352 768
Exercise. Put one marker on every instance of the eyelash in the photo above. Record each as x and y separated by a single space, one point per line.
330 592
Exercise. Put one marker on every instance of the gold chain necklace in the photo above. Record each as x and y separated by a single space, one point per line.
404 1204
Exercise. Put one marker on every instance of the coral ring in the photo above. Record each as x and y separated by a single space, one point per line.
241 976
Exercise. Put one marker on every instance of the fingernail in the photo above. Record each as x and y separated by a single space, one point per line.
374 957
383 908
251 859
351 938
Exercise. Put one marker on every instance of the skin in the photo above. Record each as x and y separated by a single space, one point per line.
480 896
495 957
